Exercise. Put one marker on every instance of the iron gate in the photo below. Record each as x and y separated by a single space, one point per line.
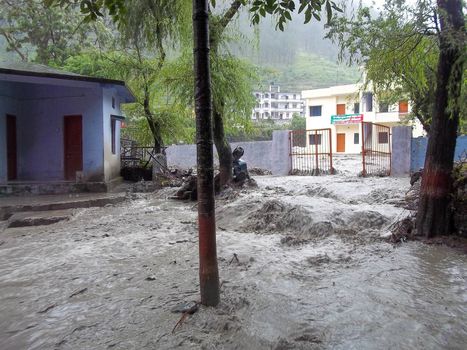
310 152
376 149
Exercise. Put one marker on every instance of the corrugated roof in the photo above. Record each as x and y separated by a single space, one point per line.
40 70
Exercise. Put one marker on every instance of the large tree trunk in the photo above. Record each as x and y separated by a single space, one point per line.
224 150
434 211
208 270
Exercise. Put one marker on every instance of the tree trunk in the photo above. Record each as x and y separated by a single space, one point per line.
154 125
434 210
224 151
208 270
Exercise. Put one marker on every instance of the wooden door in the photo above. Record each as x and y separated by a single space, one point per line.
340 109
403 106
11 149
73 146
340 143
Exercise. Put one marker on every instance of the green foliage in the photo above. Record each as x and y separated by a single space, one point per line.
298 122
398 49
232 85
45 35
283 9
175 120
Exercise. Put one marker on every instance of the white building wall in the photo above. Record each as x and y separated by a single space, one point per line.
111 161
328 98
276 105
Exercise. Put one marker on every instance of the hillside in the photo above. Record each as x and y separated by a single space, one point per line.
308 71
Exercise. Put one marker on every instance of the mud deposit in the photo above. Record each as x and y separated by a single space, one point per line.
313 272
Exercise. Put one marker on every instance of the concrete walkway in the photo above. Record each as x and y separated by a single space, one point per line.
12 205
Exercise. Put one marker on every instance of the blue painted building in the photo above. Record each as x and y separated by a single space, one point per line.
58 127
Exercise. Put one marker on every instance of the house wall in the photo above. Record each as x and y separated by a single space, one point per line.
40 130
328 98
111 161
349 130
8 105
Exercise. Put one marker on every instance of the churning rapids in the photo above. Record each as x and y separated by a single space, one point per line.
313 272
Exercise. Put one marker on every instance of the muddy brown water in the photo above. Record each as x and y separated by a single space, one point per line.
108 278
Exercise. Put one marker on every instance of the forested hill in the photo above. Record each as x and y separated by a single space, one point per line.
308 71
297 59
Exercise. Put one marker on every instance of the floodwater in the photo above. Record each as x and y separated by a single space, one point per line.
313 272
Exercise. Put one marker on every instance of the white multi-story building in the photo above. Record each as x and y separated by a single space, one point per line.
343 108
276 105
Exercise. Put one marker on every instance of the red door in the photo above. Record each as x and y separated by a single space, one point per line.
11 147
340 143
73 131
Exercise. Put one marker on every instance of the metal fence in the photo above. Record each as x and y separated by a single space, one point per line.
132 155
376 149
311 152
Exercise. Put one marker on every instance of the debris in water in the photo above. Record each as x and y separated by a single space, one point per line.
235 257
81 291
190 307
187 308
50 307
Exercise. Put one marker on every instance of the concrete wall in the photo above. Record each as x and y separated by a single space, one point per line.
39 109
272 155
40 131
111 161
401 144
419 146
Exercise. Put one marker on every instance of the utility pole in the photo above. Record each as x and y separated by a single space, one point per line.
208 270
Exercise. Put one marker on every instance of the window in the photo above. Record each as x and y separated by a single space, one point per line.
273 95
383 107
315 139
356 138
294 105
257 95
294 96
113 127
113 102
286 106
356 107
266 95
383 137
367 98
315 111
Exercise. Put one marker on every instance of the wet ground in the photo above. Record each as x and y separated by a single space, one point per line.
313 272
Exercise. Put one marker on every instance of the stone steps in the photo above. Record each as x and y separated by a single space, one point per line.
11 206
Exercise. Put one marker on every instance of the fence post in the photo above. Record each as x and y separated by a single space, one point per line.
280 158
401 150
